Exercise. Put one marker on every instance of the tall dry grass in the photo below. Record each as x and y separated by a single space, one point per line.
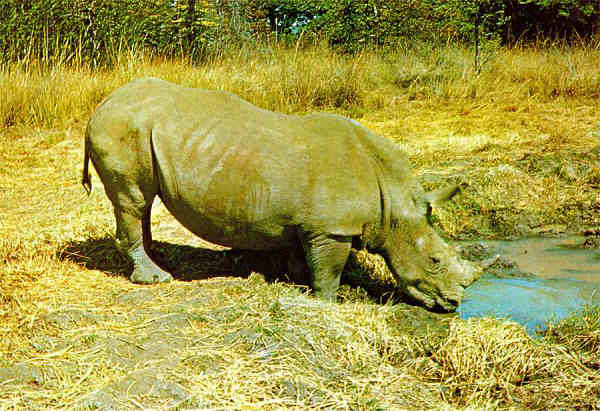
308 78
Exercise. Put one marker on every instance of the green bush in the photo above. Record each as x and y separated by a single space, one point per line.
533 19
354 24
96 31
519 20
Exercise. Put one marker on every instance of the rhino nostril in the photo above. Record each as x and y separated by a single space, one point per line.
434 260
453 301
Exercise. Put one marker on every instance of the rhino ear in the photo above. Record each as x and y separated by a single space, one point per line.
441 195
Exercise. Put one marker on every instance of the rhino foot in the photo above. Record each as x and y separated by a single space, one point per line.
145 271
152 276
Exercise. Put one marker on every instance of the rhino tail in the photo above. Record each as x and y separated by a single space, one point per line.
86 180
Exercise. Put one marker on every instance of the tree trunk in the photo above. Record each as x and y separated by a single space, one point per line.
190 20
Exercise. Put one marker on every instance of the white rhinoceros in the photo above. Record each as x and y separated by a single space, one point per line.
248 178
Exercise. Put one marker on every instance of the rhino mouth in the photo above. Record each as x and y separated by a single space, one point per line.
437 288
434 301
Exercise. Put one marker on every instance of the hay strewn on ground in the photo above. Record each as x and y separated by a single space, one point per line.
74 333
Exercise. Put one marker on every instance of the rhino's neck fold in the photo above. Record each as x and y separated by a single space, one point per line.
384 208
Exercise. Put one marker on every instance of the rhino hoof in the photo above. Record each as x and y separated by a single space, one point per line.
152 277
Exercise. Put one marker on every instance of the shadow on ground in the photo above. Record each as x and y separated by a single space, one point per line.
188 263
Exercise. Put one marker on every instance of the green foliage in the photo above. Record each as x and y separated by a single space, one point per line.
287 18
349 25
97 31
354 24
531 19
465 19
518 20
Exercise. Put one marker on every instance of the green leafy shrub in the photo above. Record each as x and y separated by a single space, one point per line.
352 25
97 31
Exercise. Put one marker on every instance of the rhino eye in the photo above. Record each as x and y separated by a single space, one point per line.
434 260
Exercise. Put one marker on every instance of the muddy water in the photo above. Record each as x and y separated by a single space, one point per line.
566 279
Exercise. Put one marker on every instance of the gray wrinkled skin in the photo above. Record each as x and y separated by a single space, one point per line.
247 178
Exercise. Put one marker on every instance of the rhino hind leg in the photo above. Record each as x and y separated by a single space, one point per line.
326 256
134 238
131 186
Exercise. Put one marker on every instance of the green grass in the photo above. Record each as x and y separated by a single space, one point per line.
523 134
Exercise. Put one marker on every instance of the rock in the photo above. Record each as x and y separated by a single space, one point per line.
475 252
503 267
550 229
491 262
592 239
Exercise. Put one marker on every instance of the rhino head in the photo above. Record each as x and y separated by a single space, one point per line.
428 270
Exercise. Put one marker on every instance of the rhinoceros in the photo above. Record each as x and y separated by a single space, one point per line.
248 178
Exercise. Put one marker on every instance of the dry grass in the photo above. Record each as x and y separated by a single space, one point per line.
75 333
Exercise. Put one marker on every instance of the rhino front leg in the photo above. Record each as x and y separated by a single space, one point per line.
326 256
133 238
